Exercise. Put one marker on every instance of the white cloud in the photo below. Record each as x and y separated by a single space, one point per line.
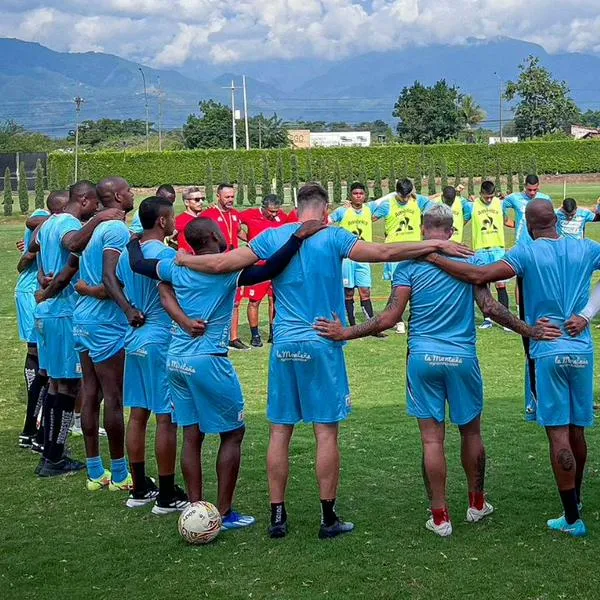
169 34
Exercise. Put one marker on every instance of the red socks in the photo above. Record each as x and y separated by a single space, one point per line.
476 500
440 515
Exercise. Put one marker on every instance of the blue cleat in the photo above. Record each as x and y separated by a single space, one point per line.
235 520
339 527
577 529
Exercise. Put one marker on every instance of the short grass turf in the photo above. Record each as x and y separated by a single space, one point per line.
57 539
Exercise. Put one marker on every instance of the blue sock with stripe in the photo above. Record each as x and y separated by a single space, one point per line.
119 470
95 467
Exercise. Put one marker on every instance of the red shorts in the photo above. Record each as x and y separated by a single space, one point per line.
255 293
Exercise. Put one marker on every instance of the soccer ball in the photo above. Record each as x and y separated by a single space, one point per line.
200 523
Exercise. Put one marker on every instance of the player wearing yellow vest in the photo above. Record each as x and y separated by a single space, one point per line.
461 210
358 220
488 236
403 212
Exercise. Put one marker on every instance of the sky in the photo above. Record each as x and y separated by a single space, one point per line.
173 33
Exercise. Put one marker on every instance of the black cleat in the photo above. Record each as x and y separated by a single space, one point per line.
37 447
238 345
256 342
26 441
278 531
39 466
65 466
177 503
146 496
337 528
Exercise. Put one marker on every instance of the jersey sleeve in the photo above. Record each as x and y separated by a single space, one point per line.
263 245
67 226
136 225
424 203
121 265
403 274
467 210
382 209
343 241
589 216
115 237
516 259
165 269
337 215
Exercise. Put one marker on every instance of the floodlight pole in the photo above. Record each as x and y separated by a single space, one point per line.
146 104
78 102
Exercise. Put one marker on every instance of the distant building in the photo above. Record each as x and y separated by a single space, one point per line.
582 132
504 140
303 138
299 138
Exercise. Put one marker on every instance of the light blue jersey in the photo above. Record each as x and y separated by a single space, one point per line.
556 284
136 224
113 236
54 257
311 285
27 282
518 203
142 293
382 209
202 297
575 227
442 313
467 209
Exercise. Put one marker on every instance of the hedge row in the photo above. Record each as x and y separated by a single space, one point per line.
149 169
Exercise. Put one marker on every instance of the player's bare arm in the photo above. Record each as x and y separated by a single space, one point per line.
334 330
60 282
110 258
94 291
76 241
26 260
33 222
472 273
193 327
492 309
370 252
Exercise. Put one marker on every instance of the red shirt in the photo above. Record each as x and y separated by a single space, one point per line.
228 221
293 216
256 222
181 222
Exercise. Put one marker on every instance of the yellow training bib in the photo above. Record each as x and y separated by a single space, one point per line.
360 225
404 222
458 218
488 224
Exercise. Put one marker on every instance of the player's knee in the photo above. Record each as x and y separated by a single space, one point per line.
234 437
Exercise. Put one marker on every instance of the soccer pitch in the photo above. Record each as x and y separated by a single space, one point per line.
60 540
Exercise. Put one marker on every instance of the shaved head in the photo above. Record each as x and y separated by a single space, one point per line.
57 201
83 199
541 217
114 192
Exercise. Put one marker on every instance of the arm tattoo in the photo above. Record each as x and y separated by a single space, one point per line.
500 314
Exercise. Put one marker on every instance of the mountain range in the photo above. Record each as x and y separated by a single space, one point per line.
37 85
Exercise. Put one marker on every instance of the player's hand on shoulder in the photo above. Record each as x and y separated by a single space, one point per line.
181 258
545 331
576 325
111 214
331 330
309 228
450 248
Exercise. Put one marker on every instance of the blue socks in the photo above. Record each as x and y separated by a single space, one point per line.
95 467
119 470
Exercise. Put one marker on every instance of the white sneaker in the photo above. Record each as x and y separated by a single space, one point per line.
76 431
508 329
101 432
444 529
401 328
487 324
474 515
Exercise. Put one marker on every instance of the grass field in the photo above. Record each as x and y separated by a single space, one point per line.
59 540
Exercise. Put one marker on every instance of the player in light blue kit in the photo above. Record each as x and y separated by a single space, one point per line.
307 374
442 364
572 219
145 387
99 327
166 191
56 240
36 378
556 275
204 385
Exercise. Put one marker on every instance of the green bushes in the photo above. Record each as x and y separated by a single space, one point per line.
149 169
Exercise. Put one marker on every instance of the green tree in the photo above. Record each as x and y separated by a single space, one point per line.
377 186
22 189
349 177
53 183
428 114
431 185
543 103
241 186
213 129
323 173
533 170
266 177
225 175
470 183
337 183
8 197
458 175
310 176
509 177
392 176
498 177
208 184
39 184
521 177
267 132
295 172
472 114
251 187
95 133
364 178
443 172
403 171
418 179
280 177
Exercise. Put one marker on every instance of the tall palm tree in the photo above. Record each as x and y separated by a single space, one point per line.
471 112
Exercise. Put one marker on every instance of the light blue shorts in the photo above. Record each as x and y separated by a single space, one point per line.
26 304
60 358
434 379
388 270
307 382
565 390
355 274
146 384
100 340
206 391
